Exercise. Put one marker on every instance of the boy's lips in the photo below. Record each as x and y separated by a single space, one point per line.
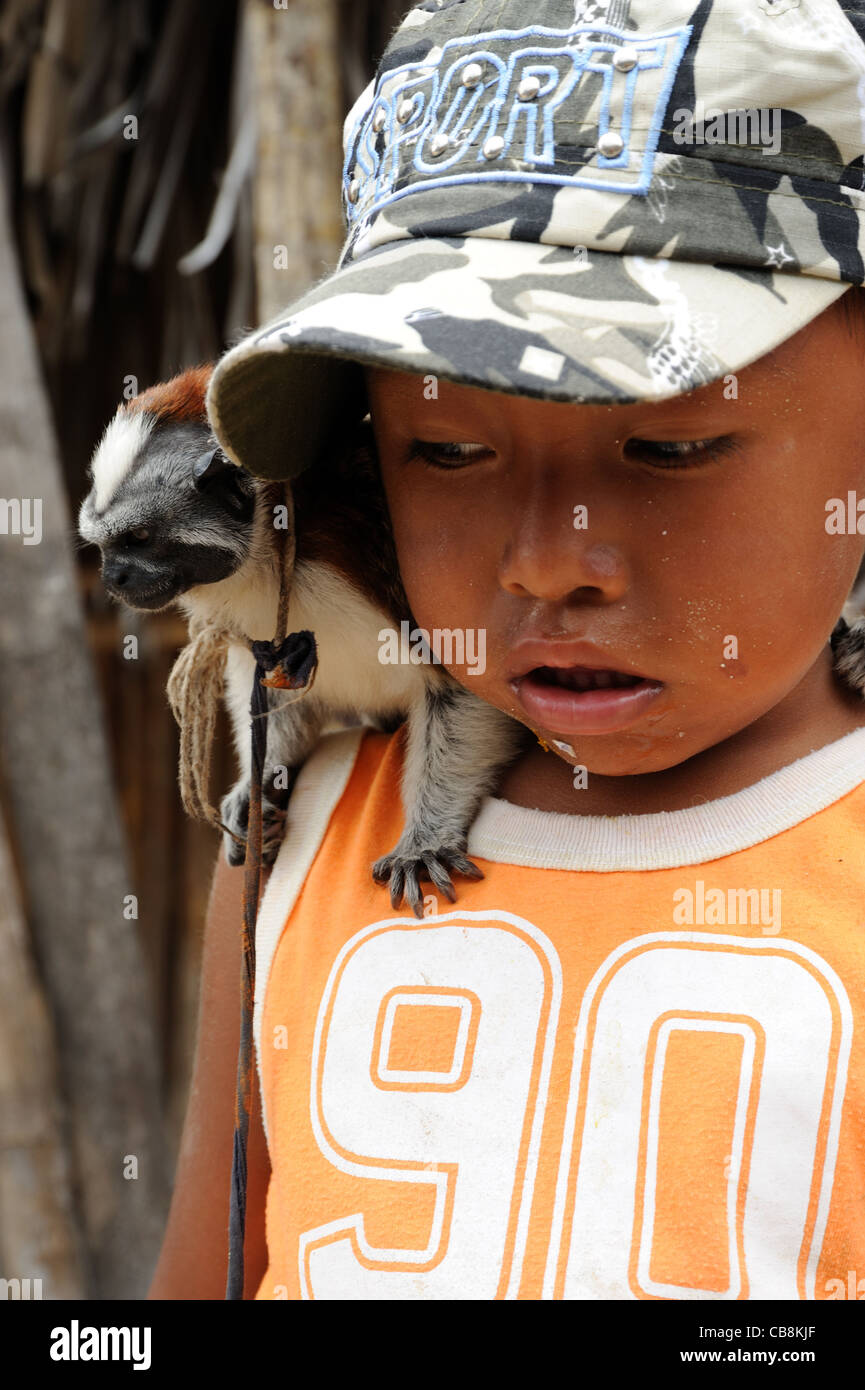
576 688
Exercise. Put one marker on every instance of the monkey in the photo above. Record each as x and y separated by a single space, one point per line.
179 524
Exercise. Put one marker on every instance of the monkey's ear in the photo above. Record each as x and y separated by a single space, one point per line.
210 465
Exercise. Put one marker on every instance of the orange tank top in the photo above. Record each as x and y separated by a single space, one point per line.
628 1063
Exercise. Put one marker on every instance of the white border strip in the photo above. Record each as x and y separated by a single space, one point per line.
504 833
319 786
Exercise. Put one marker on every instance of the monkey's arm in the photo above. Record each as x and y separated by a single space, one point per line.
292 732
457 745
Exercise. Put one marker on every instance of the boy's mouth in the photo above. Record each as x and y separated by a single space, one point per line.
584 699
583 677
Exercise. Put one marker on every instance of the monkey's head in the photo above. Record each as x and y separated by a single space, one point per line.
167 509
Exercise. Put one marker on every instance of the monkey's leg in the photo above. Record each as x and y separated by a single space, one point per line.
456 746
291 735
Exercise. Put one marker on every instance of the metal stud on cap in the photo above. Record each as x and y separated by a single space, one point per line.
529 88
611 144
379 119
625 58
493 147
472 75
354 190
439 143
403 111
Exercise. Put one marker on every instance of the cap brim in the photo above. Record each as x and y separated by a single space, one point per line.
520 317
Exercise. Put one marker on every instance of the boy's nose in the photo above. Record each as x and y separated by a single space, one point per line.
557 563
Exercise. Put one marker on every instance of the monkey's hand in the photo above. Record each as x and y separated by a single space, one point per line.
234 809
404 867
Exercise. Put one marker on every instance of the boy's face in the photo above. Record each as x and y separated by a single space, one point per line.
701 559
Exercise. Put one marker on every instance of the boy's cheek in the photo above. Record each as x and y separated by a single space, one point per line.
442 573
836 562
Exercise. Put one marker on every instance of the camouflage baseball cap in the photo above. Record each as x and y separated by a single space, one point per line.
621 200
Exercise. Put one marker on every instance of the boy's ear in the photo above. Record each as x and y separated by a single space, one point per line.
364 436
357 452
852 306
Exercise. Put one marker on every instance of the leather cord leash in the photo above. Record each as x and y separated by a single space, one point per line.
285 663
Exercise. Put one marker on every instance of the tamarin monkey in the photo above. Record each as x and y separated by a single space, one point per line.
178 523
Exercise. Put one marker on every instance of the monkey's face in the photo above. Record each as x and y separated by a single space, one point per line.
168 510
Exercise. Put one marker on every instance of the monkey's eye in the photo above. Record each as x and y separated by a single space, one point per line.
139 535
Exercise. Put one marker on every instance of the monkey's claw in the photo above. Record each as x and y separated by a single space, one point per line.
234 809
404 868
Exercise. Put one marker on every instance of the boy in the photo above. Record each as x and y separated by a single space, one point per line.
614 398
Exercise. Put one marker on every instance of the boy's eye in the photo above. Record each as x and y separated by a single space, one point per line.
662 453
446 455
684 453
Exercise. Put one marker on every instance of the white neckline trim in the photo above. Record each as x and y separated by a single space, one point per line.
509 834
314 797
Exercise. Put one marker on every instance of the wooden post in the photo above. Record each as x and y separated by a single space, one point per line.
40 1239
66 828
298 229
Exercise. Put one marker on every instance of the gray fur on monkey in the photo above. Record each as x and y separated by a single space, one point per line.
178 523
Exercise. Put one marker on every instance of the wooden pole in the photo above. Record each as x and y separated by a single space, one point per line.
67 830
298 228
40 1240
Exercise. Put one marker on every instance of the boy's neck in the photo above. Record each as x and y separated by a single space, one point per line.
819 711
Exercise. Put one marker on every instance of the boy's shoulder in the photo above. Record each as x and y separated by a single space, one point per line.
353 778
358 762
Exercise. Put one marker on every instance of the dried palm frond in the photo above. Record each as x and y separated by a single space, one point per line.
133 143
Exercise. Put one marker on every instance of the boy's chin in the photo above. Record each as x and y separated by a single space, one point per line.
627 754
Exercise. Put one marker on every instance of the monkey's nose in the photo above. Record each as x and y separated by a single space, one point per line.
116 574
